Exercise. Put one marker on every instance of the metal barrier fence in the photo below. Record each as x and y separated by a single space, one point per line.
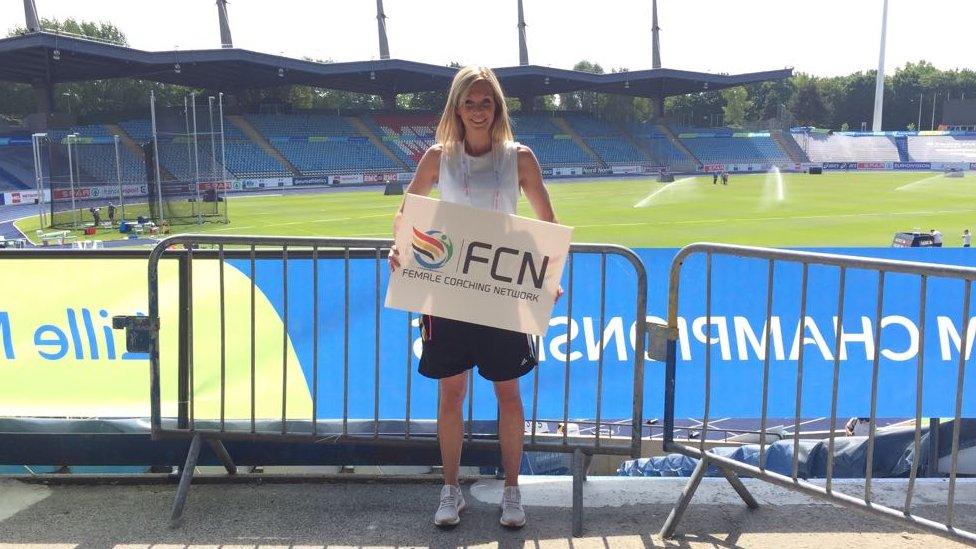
211 422
731 468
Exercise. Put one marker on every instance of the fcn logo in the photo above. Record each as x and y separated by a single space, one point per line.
432 249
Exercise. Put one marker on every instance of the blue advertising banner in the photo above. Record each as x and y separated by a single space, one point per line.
911 165
737 332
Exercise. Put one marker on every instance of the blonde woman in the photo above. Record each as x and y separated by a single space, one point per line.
476 162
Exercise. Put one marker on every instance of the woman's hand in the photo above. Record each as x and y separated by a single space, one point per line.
393 258
559 292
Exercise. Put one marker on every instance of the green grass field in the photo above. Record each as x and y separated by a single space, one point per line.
835 209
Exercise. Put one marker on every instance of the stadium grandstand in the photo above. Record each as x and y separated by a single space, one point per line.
315 146
387 142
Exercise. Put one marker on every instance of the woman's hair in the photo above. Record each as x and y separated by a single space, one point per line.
450 129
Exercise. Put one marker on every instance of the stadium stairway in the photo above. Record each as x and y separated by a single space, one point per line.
16 168
11 182
789 145
132 146
628 135
901 143
566 127
678 144
260 140
367 132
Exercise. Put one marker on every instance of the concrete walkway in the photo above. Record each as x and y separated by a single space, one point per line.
340 511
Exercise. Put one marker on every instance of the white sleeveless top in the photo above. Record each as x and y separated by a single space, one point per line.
489 181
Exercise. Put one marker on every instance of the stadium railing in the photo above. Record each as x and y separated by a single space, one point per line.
668 337
208 420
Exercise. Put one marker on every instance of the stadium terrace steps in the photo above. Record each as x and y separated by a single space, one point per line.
258 139
133 147
320 144
843 147
901 143
10 181
677 143
409 134
942 148
566 127
723 146
789 146
16 167
366 131
643 148
609 143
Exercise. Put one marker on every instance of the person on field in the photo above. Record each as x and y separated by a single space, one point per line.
476 162
967 238
714 178
936 238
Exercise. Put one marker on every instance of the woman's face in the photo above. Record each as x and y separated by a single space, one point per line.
477 108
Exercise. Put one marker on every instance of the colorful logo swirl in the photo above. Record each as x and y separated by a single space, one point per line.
432 249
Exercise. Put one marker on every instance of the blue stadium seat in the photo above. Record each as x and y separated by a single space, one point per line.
320 144
549 143
607 141
727 149
94 153
16 167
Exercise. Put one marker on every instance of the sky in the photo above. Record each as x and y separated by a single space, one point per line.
821 37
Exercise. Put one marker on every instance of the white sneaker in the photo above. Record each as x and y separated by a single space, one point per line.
513 516
452 503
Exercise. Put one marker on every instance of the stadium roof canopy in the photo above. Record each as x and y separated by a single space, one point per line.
44 58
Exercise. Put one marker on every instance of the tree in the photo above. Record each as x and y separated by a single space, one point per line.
770 100
737 105
694 109
426 101
101 31
585 101
807 105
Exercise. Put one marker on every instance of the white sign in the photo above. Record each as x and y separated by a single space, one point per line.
262 182
478 266
24 197
568 170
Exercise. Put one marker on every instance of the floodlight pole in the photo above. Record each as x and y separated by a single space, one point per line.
225 39
39 174
918 127
879 82
655 39
30 16
381 30
523 48
71 175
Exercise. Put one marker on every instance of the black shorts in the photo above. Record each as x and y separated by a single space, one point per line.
452 347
